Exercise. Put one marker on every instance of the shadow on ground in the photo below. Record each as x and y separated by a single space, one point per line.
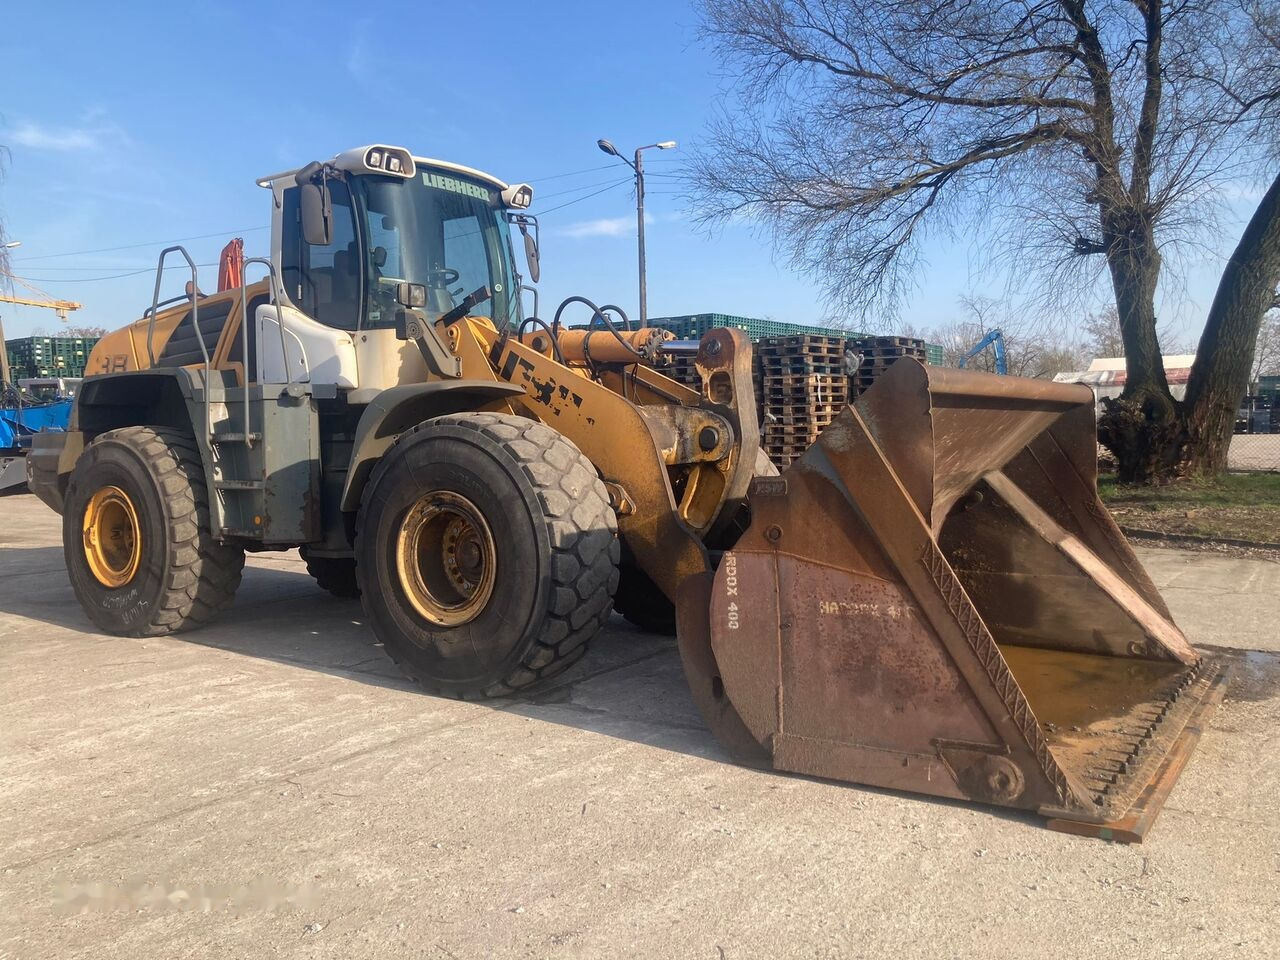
630 686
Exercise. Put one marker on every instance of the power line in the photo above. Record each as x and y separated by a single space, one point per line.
133 273
135 246
236 232
605 186
114 276
101 266
607 166
572 173
543 213
588 186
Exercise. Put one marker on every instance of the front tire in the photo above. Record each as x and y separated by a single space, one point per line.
486 553
135 532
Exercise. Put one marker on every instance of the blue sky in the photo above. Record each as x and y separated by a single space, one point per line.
150 123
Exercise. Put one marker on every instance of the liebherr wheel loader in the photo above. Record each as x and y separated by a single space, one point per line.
931 599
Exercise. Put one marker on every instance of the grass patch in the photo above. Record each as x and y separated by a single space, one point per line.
1236 506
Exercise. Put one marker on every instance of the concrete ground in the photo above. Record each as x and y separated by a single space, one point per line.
277 765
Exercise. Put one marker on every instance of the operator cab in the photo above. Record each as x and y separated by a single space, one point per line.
350 233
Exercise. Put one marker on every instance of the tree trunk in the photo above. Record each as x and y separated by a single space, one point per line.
1142 428
1220 375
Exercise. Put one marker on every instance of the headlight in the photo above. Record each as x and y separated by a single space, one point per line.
395 161
518 196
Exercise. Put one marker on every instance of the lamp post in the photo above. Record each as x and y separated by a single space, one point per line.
638 167
4 348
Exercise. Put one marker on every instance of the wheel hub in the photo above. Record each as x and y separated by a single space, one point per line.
112 537
446 559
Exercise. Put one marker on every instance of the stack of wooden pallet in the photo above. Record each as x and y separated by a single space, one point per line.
680 368
802 382
878 354
804 386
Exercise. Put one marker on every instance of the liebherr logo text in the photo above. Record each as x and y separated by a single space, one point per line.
455 186
731 587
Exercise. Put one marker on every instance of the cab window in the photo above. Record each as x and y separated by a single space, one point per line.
324 281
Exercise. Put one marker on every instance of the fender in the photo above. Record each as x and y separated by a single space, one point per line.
109 401
158 396
396 409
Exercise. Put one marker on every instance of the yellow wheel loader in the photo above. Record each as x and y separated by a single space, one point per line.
931 599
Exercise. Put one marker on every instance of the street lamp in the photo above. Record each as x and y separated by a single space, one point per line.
4 350
638 167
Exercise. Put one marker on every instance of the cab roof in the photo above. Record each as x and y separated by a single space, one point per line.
418 161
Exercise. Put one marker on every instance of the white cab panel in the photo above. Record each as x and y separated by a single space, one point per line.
316 353
385 361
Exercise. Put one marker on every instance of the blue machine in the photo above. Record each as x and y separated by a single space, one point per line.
19 422
995 340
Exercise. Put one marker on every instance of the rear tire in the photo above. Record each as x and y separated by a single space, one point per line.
486 553
336 575
135 532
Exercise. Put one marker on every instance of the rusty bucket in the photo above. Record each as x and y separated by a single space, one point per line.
934 599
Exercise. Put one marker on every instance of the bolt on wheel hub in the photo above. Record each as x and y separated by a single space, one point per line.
112 537
446 559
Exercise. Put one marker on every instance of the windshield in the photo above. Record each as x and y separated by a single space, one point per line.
444 231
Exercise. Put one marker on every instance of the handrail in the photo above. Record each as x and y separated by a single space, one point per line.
194 297
150 312
273 282
195 321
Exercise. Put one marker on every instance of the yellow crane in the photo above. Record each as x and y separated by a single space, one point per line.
61 307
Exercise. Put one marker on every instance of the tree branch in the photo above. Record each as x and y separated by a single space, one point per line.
1144 142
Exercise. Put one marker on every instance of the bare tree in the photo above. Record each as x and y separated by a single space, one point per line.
1101 336
84 330
1032 347
1079 139
1266 355
1101 333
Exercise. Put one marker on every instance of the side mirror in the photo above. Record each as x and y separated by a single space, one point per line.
531 257
522 220
317 214
411 295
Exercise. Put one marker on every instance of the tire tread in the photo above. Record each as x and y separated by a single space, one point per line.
584 561
202 574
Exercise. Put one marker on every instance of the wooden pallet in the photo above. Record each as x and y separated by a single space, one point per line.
888 342
802 342
802 368
892 354
807 419
791 398
802 380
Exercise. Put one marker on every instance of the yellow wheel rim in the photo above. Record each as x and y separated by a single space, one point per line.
445 559
112 539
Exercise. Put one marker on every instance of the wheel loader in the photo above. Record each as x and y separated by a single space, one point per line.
931 599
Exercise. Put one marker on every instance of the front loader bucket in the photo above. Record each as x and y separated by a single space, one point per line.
934 599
